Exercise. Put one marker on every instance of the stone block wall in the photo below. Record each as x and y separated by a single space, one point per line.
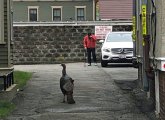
52 44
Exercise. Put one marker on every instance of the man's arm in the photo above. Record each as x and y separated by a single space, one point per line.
85 43
94 37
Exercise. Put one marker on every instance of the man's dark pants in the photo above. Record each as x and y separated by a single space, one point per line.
89 52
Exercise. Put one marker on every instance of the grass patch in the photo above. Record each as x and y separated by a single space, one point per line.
5 108
20 78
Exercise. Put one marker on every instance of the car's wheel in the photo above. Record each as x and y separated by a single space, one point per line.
104 63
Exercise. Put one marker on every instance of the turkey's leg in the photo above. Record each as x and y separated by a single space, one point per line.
63 99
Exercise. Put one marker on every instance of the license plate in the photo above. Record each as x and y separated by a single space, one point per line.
122 56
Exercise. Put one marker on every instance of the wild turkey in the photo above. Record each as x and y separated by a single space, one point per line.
67 85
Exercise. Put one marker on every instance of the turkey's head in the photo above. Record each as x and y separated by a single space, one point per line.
63 65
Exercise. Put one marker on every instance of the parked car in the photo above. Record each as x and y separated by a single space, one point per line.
117 48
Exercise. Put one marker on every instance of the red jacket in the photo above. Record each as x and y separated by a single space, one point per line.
90 43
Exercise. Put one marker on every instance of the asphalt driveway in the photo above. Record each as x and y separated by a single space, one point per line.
97 96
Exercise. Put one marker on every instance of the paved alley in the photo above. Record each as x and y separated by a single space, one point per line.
97 96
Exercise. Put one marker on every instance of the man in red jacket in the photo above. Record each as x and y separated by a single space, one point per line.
90 45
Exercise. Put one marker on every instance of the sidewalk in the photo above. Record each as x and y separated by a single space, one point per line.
97 96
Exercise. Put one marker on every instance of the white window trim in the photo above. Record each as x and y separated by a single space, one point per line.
76 11
56 7
33 7
1 22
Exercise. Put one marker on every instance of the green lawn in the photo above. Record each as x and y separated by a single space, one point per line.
20 78
5 108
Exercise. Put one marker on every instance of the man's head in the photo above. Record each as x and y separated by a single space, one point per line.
89 34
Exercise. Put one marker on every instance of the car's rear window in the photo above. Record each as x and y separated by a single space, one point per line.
119 37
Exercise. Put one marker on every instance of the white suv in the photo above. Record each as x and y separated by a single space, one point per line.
117 47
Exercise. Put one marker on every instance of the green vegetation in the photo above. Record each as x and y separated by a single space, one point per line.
5 108
20 78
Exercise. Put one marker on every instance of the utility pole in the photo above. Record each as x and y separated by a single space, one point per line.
144 44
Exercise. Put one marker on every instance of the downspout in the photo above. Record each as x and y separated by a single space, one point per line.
153 22
2 22
8 32
94 9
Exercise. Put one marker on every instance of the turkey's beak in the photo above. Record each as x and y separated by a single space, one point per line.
72 81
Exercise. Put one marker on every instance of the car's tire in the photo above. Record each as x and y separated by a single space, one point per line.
104 63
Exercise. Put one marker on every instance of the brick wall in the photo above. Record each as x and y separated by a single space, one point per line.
162 94
52 44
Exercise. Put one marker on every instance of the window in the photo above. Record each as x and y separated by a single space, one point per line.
1 21
80 13
56 13
33 13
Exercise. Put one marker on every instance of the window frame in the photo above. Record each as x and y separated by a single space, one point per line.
76 10
56 7
2 22
32 7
